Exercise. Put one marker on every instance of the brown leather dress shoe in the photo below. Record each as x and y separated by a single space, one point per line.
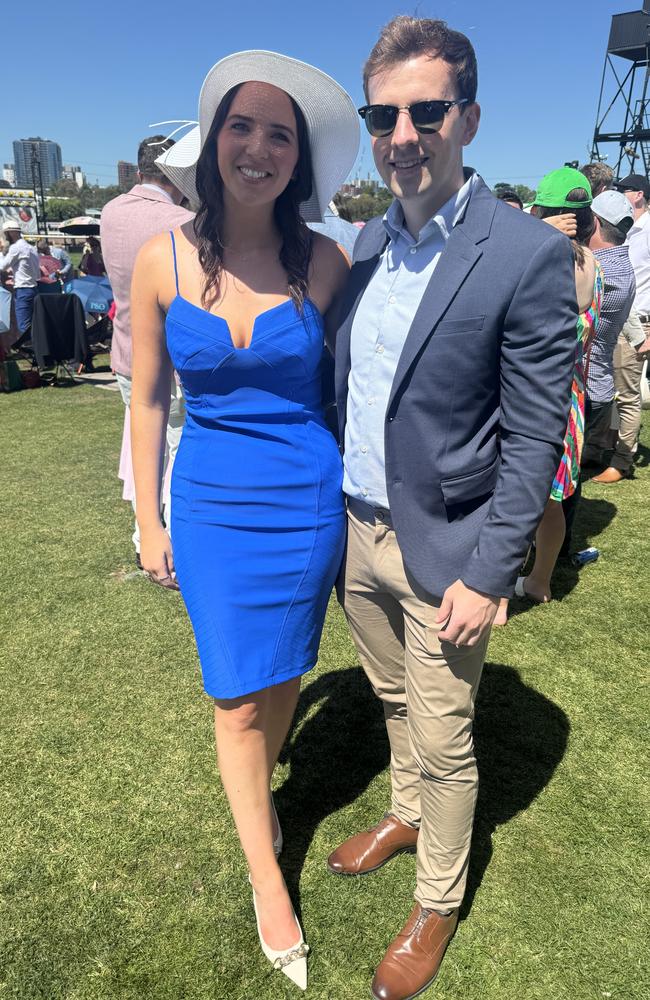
413 959
368 851
610 475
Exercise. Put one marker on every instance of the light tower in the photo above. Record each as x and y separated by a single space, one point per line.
624 118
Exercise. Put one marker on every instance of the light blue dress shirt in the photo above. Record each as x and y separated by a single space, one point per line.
381 324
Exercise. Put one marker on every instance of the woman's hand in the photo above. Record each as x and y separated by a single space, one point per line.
156 556
566 223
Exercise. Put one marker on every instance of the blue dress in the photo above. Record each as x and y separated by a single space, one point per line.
257 520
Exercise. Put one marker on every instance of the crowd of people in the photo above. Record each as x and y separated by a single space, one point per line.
28 270
482 351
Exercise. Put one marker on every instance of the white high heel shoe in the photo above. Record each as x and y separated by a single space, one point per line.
292 961
278 841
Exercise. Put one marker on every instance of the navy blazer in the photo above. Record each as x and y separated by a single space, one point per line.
478 407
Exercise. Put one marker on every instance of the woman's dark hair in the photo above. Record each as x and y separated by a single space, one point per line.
584 221
296 249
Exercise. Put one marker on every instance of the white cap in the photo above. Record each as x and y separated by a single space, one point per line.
12 225
614 207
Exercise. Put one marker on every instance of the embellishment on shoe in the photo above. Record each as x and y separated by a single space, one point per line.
292 956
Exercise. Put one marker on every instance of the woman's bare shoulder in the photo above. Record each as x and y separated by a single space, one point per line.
329 257
330 267
585 278
155 249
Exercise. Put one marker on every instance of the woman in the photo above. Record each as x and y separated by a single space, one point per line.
92 263
235 303
564 200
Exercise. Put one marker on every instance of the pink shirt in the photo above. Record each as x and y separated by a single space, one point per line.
127 222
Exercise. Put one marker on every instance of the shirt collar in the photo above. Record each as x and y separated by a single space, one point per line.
155 187
442 222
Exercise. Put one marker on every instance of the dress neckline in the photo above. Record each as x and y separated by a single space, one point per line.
224 321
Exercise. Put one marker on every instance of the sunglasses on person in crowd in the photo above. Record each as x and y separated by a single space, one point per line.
427 116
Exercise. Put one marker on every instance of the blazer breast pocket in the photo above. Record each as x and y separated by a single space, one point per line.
468 324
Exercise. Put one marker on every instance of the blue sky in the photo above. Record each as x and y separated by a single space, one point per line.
93 76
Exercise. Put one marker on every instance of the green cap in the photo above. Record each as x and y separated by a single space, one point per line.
554 187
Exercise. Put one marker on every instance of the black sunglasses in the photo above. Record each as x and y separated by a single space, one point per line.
427 116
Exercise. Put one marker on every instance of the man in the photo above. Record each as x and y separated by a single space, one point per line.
613 218
599 175
628 360
127 222
22 258
453 370
65 272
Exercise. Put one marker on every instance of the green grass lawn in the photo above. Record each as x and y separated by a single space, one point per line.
120 871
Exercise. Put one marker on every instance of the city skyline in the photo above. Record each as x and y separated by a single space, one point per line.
539 99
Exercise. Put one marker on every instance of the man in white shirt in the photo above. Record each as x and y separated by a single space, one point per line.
22 258
628 360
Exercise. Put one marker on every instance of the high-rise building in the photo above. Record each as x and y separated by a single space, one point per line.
127 175
8 174
72 173
45 151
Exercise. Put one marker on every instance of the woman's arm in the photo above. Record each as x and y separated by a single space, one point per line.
150 395
330 267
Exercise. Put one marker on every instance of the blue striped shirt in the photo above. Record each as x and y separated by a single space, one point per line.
618 296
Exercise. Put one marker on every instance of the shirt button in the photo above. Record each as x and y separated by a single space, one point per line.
380 348
391 300
364 448
364 492
413 250
371 400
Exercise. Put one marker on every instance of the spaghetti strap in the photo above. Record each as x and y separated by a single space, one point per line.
175 264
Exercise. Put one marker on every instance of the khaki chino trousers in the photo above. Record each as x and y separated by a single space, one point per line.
427 688
628 370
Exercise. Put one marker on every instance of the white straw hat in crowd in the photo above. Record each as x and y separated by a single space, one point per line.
12 226
331 119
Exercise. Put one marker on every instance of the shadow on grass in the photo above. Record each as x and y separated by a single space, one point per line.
520 737
334 757
593 516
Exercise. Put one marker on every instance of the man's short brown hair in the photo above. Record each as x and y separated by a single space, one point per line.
148 150
599 175
407 37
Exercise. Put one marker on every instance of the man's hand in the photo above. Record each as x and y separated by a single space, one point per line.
468 614
566 223
643 348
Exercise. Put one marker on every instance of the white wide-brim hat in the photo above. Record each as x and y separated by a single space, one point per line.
331 118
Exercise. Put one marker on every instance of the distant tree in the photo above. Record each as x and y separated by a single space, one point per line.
64 189
525 193
59 209
364 206
94 196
